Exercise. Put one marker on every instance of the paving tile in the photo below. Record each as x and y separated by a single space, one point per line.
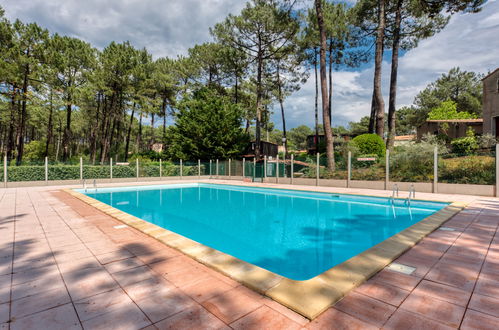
59 318
366 309
134 275
402 319
24 265
40 285
4 294
29 275
264 318
4 312
158 306
88 282
106 258
340 320
5 265
193 318
451 274
126 317
186 276
231 305
435 309
477 320
384 292
283 310
206 289
403 281
144 289
101 303
163 254
172 265
443 292
121 265
422 265
69 266
484 304
39 302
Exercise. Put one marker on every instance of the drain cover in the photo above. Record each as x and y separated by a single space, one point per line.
400 268
120 226
446 228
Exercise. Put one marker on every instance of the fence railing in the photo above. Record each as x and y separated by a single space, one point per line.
428 167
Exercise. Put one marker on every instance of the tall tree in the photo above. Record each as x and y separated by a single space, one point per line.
261 30
324 91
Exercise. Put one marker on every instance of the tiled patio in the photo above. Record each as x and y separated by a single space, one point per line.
65 265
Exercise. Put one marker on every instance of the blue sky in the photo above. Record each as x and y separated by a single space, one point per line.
169 28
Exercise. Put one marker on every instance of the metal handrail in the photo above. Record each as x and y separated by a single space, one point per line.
394 190
412 192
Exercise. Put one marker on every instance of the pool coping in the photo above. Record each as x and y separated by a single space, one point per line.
310 297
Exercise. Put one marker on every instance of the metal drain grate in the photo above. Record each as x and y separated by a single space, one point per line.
120 226
400 268
447 229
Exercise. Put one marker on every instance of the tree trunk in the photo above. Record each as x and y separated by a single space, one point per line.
393 76
129 133
325 97
281 103
11 142
378 105
20 145
139 134
259 95
163 107
50 125
330 79
316 102
66 140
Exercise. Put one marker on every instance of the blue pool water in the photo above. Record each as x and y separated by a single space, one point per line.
295 234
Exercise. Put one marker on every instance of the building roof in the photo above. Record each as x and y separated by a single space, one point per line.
405 137
479 120
490 74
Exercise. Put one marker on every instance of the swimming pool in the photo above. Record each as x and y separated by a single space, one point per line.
296 234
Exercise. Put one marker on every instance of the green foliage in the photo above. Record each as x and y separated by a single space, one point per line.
370 144
448 110
208 126
470 170
465 146
35 150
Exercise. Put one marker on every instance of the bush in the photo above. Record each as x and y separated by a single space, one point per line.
370 144
465 145
470 169
413 162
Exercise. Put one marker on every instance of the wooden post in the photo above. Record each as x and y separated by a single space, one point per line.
277 170
435 170
199 168
46 170
317 169
81 169
111 168
387 168
349 169
292 167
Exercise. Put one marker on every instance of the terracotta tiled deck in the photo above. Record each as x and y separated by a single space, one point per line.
65 265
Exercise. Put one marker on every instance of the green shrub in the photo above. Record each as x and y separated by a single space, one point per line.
465 145
413 163
470 169
370 144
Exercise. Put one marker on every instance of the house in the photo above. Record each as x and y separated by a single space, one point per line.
491 103
268 149
321 138
453 128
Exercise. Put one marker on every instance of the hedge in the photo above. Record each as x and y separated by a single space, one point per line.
72 172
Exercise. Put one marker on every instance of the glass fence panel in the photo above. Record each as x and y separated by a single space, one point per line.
477 167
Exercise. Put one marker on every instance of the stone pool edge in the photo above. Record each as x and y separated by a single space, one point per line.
310 297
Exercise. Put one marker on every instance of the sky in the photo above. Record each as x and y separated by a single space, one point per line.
171 27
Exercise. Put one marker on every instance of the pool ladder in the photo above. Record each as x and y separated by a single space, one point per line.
395 191
85 185
412 193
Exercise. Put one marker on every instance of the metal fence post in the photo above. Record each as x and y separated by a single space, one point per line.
265 166
277 170
216 169
317 169
160 169
292 167
497 170
81 168
387 168
111 168
199 168
349 169
254 168
435 170
181 168
5 171
230 163
137 168
46 170
244 168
